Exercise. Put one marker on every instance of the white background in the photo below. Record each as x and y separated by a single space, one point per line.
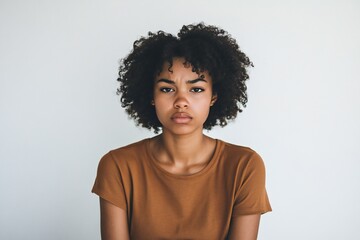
60 112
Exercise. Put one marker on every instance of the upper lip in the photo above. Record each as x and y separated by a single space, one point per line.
181 115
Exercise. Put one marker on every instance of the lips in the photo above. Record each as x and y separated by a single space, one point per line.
181 117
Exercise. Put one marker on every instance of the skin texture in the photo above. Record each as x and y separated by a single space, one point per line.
180 91
182 100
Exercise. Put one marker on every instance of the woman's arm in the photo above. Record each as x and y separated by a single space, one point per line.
244 227
114 225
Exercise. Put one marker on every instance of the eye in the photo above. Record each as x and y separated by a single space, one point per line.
166 89
197 90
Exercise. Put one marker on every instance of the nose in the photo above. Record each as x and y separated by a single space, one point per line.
181 102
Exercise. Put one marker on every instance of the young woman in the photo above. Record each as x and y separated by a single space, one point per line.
182 184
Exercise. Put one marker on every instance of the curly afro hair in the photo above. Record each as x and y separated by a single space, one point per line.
206 48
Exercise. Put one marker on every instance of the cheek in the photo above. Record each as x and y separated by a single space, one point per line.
161 103
202 107
159 114
161 108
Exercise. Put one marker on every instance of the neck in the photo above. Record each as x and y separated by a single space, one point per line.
182 150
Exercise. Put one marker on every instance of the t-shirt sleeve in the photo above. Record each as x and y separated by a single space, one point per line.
251 196
109 183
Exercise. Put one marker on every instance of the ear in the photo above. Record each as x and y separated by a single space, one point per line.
213 99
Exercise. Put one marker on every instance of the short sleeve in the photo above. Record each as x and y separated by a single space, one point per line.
109 183
251 196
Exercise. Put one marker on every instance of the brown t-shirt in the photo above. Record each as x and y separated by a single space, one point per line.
161 205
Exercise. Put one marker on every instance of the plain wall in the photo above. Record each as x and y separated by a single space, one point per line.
60 112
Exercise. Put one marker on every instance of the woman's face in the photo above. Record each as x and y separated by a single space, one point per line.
182 98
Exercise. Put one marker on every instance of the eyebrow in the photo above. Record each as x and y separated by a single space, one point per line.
188 81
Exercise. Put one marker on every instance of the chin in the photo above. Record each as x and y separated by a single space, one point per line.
181 130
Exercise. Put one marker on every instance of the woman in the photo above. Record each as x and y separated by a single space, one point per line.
182 184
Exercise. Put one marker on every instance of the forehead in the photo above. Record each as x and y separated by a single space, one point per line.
180 68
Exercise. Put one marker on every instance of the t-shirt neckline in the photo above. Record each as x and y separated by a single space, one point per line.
215 157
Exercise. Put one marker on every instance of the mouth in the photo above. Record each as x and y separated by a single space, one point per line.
181 117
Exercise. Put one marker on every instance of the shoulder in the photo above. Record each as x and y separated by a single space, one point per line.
125 154
131 149
242 156
230 147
